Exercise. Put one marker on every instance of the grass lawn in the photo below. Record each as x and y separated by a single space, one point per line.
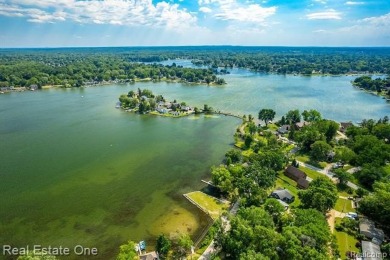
284 182
305 158
345 242
247 153
240 144
346 194
210 204
344 205
311 173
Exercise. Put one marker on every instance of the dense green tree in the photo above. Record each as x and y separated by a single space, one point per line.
311 115
163 245
344 154
308 136
222 178
266 115
252 128
321 195
183 245
234 155
127 251
293 116
248 139
343 176
369 174
376 206
320 150
262 176
370 149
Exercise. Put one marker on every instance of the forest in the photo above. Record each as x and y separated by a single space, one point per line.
74 67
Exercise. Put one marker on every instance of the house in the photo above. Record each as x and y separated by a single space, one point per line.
371 251
294 173
344 126
303 183
299 125
367 228
185 108
283 195
283 129
149 256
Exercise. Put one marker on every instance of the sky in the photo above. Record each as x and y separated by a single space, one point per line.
74 23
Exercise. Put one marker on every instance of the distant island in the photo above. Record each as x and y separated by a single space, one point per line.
145 102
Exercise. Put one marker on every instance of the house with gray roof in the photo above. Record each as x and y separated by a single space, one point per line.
283 195
368 229
371 251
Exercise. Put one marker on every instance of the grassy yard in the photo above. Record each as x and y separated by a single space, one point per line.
210 204
284 182
344 205
305 158
345 242
311 173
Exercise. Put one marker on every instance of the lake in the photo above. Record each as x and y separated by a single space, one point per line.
75 170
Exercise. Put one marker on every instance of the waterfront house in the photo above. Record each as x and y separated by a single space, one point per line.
283 195
367 228
149 256
283 129
300 125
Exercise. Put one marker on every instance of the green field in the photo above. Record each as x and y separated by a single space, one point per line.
345 241
208 203
344 205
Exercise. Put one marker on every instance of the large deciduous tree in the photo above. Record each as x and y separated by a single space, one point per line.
266 115
321 195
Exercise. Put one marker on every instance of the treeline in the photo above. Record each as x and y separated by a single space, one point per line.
378 84
76 71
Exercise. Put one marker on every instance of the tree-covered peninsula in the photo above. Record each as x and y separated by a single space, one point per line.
90 69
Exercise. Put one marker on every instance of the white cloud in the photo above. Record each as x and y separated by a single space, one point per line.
319 31
232 10
329 14
252 13
204 9
119 12
320 1
377 21
354 3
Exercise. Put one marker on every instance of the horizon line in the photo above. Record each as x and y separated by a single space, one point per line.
181 46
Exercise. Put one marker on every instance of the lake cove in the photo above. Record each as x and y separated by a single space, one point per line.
75 170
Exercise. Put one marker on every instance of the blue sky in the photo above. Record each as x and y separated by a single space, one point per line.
63 23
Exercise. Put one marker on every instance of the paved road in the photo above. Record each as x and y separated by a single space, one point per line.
327 173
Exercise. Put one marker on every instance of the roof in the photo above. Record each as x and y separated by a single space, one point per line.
291 170
301 124
345 125
367 228
371 251
283 194
149 256
303 183
284 129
